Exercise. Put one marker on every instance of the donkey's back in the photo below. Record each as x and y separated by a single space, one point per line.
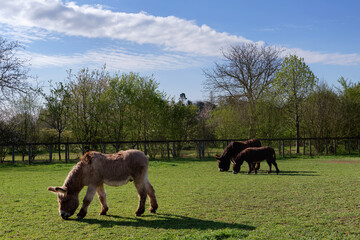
118 168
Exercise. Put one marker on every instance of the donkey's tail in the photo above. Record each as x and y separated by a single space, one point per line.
274 155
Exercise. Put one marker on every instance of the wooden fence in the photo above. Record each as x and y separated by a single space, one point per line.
72 151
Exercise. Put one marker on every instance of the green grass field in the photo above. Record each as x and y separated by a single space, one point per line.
311 198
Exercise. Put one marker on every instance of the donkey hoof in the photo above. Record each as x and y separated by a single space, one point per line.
102 213
139 212
152 210
81 215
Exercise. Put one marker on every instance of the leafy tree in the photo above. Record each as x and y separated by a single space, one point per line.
271 122
55 115
322 117
350 108
181 123
294 82
87 106
230 120
25 120
246 73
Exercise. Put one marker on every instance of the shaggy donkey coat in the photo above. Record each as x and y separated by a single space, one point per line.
96 169
255 155
232 150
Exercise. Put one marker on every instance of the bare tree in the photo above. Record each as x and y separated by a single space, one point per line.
13 72
245 74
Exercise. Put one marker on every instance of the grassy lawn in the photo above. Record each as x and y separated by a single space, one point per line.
311 198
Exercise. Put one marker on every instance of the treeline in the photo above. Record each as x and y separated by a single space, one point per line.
254 92
325 112
94 106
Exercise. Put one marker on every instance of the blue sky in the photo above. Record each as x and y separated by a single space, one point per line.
176 40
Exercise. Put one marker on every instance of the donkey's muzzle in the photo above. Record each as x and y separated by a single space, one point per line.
65 216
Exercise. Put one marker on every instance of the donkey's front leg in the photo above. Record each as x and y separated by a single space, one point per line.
90 193
102 198
251 167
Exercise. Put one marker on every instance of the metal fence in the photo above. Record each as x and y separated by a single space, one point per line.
72 151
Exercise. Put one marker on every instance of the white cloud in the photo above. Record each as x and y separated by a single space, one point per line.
328 58
115 59
172 33
32 20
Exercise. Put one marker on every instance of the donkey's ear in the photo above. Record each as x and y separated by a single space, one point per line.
57 189
52 189
61 190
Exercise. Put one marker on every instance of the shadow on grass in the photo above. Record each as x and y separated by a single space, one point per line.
184 159
285 173
299 173
165 221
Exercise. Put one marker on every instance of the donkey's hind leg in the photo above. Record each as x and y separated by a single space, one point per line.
102 198
151 193
141 189
269 163
275 164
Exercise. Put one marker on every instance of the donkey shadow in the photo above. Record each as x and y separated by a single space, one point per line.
284 173
165 221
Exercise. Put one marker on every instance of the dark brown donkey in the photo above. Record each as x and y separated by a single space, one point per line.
232 150
96 169
255 155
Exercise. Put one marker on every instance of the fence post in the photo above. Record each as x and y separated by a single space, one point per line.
203 149
199 149
145 151
310 146
13 154
50 152
279 147
335 146
66 152
29 153
327 151
174 152
304 147
104 148
283 148
349 146
168 149
358 146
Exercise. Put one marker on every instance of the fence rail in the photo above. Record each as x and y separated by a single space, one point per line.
72 151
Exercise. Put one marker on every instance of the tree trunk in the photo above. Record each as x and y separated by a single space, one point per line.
59 145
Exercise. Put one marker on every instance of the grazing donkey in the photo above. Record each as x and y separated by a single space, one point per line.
93 170
232 150
255 155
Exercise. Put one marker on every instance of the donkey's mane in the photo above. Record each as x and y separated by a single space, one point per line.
73 180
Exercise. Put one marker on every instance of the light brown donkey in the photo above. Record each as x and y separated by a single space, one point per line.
93 170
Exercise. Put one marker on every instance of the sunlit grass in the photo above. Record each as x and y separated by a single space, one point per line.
310 198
